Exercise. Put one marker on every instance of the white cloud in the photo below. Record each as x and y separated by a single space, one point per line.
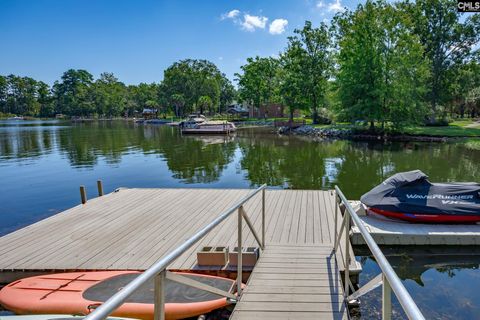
336 6
320 4
278 26
231 14
251 22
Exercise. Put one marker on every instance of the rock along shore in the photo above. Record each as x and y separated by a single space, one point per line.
336 133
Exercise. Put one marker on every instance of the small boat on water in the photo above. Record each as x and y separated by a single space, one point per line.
15 118
198 124
410 196
81 292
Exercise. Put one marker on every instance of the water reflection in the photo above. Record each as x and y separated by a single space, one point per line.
196 159
443 281
287 162
43 163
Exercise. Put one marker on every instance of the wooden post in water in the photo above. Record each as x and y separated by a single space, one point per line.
83 194
100 188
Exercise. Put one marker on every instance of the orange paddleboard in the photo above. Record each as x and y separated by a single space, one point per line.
81 292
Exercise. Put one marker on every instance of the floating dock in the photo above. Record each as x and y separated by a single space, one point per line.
130 229
390 232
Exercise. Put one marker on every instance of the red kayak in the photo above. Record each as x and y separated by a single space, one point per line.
81 292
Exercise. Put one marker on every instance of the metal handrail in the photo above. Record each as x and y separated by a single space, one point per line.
158 267
390 278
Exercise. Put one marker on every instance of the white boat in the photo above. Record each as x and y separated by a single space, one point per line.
15 118
198 124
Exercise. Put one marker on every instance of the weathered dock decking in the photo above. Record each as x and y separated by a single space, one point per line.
130 229
293 282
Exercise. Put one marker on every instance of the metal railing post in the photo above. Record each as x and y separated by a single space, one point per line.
239 253
336 223
347 252
159 306
392 282
263 219
386 299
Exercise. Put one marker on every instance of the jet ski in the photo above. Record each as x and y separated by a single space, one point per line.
410 196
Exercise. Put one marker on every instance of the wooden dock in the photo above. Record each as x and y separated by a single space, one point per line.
130 229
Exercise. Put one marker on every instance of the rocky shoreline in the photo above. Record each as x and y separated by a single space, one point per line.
336 133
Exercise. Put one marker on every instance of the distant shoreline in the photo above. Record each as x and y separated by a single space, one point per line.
347 132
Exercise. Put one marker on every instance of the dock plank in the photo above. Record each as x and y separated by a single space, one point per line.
276 290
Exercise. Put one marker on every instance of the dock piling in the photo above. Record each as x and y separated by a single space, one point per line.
83 194
100 188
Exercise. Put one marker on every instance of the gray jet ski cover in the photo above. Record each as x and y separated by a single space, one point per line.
411 192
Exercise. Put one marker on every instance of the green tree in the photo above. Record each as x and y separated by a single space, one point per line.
313 52
258 82
448 38
178 102
204 103
227 94
465 87
291 75
22 96
3 94
73 95
192 79
44 98
110 95
381 71
138 96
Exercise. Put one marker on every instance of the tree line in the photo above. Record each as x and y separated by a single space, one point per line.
188 86
382 63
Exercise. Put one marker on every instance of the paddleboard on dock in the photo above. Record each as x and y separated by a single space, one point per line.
81 292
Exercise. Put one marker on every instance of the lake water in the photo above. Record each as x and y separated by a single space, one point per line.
42 164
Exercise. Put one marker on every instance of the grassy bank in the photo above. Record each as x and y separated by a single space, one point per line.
462 128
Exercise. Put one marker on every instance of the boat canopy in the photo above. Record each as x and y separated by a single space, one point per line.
412 192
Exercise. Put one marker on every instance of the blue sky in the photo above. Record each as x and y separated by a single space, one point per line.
137 40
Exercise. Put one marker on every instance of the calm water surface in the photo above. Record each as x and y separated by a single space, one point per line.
42 165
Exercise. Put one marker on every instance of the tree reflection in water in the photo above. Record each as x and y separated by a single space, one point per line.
279 161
